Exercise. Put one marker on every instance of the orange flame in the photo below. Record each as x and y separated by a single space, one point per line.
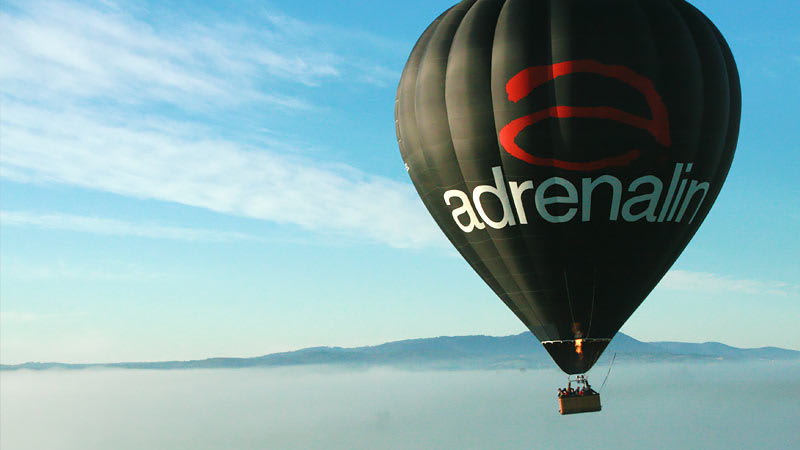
579 346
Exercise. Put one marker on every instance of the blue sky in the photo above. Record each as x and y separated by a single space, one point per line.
182 181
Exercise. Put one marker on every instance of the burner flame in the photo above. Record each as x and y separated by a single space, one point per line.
579 346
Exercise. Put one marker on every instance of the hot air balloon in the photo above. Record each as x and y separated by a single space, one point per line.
569 150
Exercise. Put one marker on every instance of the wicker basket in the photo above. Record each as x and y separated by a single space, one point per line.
579 404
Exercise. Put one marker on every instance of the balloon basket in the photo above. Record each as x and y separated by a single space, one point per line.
579 404
583 400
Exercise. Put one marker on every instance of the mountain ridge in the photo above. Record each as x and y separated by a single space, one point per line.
520 351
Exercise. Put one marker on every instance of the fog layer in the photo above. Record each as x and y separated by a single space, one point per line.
659 406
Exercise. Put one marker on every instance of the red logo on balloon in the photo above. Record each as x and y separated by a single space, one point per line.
523 83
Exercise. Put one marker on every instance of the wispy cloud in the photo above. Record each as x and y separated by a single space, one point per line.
142 162
74 50
681 280
99 225
64 64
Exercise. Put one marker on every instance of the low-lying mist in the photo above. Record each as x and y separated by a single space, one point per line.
670 406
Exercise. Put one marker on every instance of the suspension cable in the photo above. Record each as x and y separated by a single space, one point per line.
609 372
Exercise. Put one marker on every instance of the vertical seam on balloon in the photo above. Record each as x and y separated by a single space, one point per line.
594 295
420 174
526 296
454 239
423 46
657 48
722 169
513 278
569 299
734 97
557 124
678 249
467 246
489 273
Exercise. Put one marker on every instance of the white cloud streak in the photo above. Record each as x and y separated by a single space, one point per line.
114 227
65 49
141 162
681 280
63 64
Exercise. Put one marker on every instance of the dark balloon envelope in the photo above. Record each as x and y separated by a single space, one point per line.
569 149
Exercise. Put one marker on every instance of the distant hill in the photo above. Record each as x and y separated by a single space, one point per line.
451 353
